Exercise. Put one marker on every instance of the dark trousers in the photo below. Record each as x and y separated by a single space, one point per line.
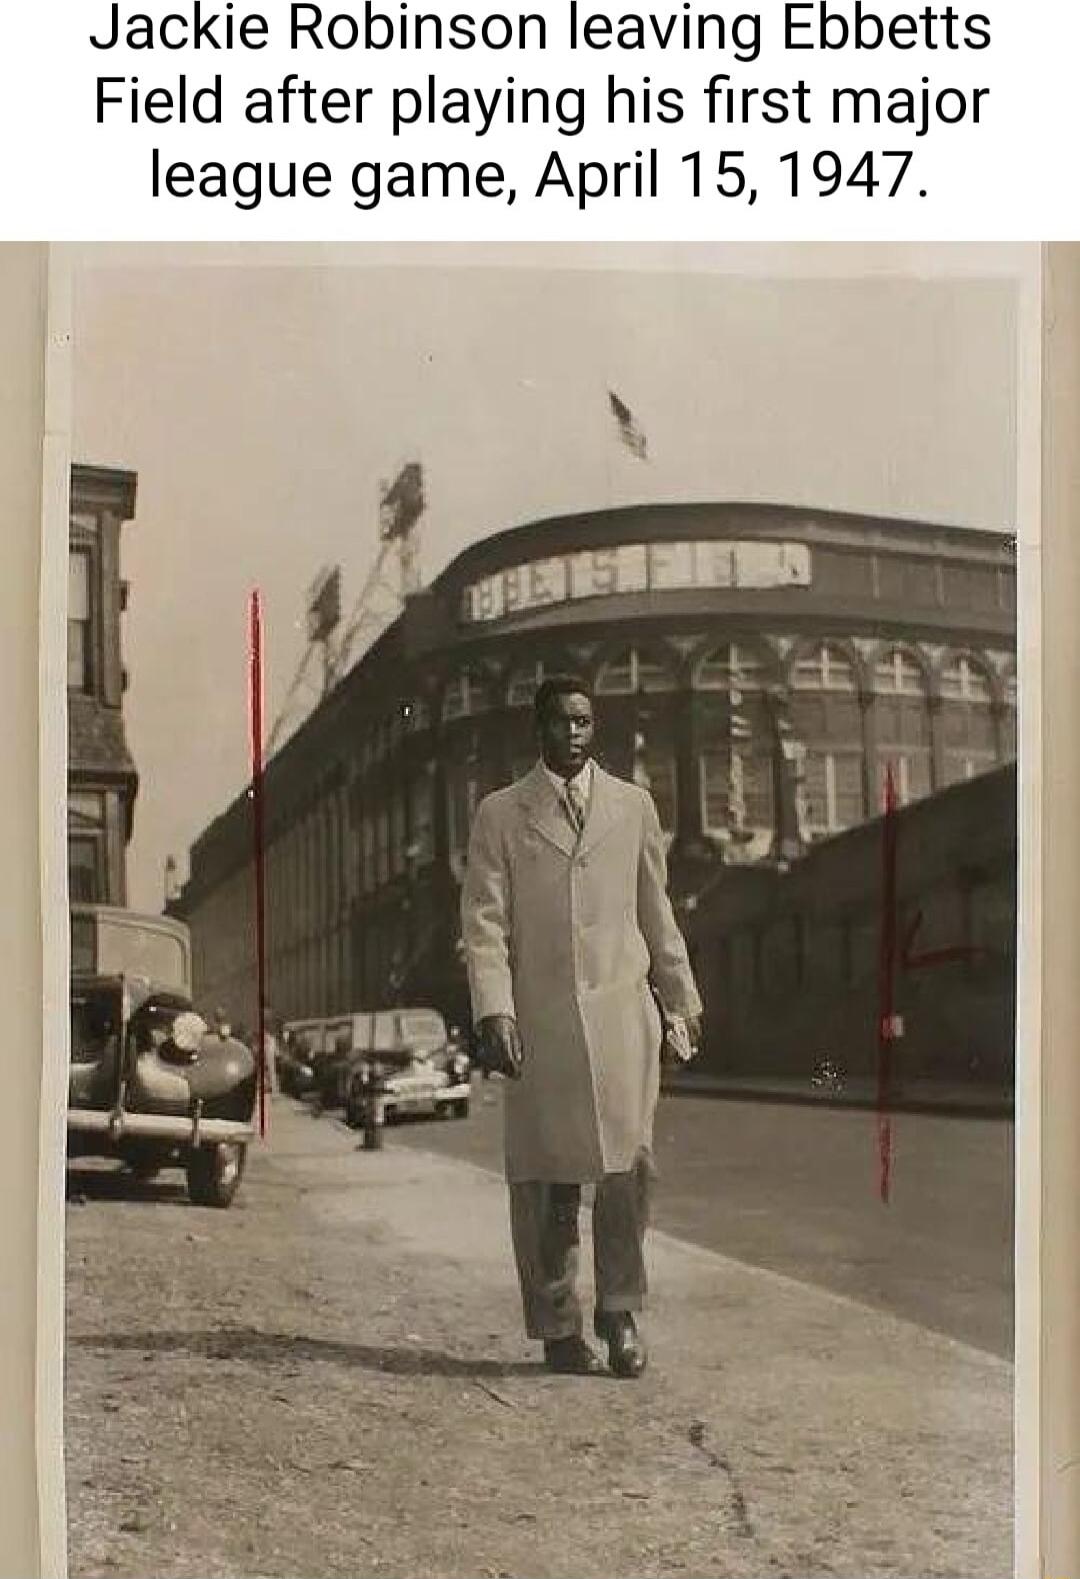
544 1226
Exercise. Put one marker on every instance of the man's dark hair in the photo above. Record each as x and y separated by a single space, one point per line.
558 685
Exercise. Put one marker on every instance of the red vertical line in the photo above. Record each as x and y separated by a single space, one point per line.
256 700
887 985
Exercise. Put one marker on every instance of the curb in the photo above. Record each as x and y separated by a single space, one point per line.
945 1107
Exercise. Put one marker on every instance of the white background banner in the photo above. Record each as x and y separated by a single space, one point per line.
552 119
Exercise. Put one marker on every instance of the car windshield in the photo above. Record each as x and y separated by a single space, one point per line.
95 1021
422 1030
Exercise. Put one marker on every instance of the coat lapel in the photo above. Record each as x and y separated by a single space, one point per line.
543 812
604 810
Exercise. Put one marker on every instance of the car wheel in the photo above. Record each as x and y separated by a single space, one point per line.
461 1107
214 1173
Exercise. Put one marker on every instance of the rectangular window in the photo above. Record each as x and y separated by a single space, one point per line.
78 621
758 797
847 806
737 791
911 775
714 791
84 868
832 791
83 943
86 848
815 793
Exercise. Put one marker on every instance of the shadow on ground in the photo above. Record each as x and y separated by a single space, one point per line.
118 1184
281 1348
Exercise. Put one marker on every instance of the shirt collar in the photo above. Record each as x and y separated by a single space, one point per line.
582 780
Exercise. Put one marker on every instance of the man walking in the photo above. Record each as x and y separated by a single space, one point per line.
565 921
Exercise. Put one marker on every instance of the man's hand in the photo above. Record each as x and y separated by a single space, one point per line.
500 1040
682 1039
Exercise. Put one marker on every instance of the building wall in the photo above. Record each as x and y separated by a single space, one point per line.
761 716
102 781
790 961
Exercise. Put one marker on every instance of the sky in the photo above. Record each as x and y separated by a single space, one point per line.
264 397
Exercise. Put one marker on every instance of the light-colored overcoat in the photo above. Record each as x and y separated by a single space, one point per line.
564 933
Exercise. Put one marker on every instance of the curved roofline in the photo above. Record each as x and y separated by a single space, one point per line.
560 533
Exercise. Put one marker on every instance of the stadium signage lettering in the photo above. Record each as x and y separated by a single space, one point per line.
636 567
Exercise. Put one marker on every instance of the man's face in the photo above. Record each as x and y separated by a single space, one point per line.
566 733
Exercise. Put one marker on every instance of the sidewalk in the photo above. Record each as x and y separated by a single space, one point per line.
330 1380
909 1096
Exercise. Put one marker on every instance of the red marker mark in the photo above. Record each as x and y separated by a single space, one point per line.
887 963
255 671
897 955
937 956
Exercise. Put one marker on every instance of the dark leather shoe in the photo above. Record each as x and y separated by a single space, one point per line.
627 1355
571 1357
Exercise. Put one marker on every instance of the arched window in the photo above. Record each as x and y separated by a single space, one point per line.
827 668
730 668
969 743
631 671
826 723
902 716
468 692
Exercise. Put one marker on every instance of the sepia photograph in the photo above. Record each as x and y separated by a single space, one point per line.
541 794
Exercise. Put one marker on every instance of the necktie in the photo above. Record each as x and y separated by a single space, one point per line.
575 807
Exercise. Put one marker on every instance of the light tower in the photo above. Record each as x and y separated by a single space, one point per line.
401 505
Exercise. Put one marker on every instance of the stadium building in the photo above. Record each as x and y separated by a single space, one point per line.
757 666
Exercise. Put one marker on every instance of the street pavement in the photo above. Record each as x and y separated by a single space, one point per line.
794 1188
330 1379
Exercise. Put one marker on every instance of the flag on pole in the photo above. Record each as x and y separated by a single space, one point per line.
629 431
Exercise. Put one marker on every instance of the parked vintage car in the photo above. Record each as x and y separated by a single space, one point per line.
300 1049
404 1059
149 1084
